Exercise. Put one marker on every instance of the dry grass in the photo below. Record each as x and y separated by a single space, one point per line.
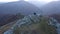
40 28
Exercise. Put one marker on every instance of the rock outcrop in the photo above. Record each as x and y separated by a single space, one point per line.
33 24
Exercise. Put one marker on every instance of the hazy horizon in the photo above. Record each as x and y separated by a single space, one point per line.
27 0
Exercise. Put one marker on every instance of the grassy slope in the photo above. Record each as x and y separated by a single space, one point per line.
11 22
9 18
40 28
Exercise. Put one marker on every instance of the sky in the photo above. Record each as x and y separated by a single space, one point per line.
8 0
26 0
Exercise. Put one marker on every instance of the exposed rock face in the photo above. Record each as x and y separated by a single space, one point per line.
55 23
32 24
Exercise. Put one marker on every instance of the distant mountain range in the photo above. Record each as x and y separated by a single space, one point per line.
51 8
38 3
18 7
3 2
9 10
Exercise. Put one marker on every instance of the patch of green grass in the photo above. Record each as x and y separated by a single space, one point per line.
42 28
45 28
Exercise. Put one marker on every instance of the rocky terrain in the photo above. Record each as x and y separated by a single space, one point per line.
32 24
